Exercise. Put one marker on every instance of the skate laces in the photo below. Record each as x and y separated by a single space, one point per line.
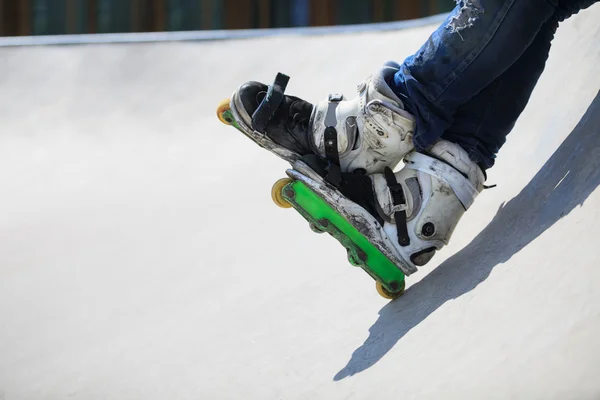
299 118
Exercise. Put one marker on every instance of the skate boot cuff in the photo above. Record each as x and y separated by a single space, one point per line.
465 191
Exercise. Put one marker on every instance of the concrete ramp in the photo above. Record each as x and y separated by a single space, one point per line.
141 256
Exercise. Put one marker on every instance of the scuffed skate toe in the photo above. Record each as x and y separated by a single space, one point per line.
288 127
247 99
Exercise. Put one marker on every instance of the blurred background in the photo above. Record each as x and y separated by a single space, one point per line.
57 17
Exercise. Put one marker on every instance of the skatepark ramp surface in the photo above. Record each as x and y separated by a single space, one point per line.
141 256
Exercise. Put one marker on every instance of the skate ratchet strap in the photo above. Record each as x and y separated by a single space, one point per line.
330 135
334 175
399 202
462 187
269 105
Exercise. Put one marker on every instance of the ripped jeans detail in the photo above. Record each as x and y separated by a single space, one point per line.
469 12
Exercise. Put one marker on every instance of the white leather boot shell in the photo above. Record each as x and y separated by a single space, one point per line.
373 129
437 195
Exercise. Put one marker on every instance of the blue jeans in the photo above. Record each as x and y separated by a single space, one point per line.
473 77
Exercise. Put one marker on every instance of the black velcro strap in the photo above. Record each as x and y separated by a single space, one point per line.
331 145
334 174
398 199
269 105
330 134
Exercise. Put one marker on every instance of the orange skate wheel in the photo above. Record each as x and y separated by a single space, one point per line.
383 292
276 195
222 109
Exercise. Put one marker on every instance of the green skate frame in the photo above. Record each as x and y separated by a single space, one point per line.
228 116
361 252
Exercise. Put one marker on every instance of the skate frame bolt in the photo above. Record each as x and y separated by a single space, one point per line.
290 193
324 222
428 229
362 256
394 285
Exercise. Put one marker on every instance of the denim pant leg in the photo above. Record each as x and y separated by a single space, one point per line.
482 125
476 44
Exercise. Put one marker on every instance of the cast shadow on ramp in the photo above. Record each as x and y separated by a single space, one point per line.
536 208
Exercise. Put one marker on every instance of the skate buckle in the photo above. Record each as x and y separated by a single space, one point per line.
335 97
398 200
399 207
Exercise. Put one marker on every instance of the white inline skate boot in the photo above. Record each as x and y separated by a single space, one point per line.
407 215
368 133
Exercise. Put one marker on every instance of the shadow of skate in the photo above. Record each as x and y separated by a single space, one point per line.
575 164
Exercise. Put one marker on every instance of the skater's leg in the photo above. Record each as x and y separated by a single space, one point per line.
482 125
567 8
476 44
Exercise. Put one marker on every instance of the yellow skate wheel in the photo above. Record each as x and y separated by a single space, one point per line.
383 292
222 109
276 193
